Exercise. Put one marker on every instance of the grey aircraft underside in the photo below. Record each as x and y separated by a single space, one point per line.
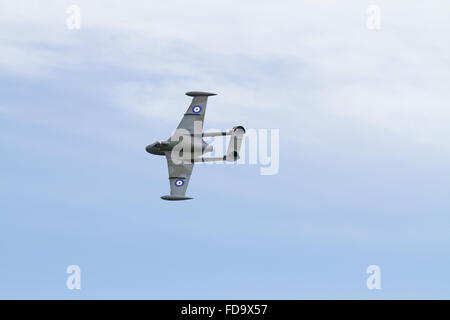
186 146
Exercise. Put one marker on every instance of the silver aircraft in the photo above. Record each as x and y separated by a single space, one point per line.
186 146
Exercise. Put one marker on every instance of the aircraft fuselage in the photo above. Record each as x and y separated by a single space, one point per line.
194 144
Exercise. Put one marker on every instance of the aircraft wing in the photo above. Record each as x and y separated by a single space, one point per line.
179 176
195 112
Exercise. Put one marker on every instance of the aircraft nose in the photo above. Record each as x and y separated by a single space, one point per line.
149 148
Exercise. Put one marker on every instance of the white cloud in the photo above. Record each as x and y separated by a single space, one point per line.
291 65
312 69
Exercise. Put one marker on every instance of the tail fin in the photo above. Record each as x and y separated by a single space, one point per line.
234 147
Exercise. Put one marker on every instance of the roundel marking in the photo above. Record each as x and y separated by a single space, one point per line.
197 109
179 183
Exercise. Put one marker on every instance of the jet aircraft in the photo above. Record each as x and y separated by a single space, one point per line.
186 146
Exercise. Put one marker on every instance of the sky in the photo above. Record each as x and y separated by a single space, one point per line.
363 117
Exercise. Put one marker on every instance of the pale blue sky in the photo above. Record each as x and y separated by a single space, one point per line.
364 153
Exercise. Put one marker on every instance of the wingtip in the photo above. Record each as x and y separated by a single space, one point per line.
200 93
175 198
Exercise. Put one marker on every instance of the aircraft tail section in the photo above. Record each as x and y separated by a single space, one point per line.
234 147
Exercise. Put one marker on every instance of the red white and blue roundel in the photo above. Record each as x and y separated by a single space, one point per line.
197 109
179 183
